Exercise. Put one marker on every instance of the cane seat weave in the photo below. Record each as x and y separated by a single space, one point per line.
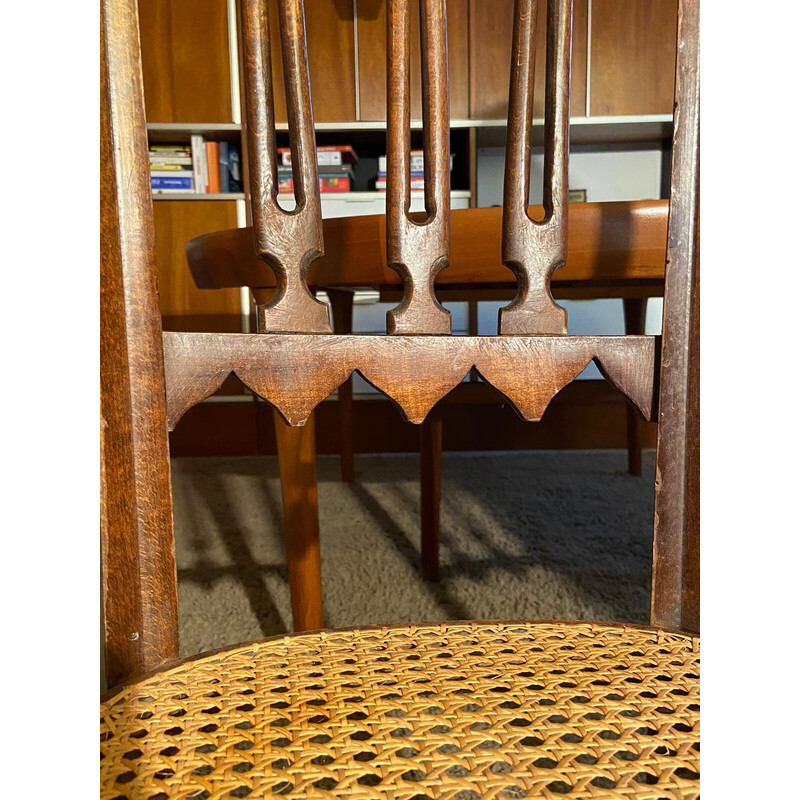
458 710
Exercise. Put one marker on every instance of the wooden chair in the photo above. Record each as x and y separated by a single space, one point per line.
615 250
430 710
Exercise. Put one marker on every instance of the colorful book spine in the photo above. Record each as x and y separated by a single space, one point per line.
212 160
235 183
332 155
164 182
199 163
224 171
417 162
334 183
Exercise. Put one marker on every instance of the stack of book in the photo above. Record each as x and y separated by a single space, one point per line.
198 168
217 166
171 169
334 165
417 172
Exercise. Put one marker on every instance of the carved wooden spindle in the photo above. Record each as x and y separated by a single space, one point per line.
535 250
287 241
418 251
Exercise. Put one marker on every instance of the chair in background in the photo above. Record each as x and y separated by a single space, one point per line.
494 708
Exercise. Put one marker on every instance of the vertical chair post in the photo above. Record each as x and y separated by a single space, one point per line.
139 580
675 597
418 251
535 250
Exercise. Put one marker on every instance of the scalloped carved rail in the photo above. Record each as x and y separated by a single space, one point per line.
295 372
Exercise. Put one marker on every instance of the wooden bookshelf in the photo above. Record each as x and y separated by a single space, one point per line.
623 61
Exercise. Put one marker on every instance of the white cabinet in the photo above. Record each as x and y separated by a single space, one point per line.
359 204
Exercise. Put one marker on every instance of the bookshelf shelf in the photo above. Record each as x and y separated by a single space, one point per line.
645 127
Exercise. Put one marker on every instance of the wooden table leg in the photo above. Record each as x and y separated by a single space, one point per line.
342 307
298 469
635 309
430 494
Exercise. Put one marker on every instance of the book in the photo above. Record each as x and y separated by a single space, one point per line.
328 155
212 160
417 184
230 167
172 173
171 167
166 160
331 183
328 170
199 163
224 174
170 182
171 148
417 162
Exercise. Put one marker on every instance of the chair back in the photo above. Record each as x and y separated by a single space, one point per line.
294 362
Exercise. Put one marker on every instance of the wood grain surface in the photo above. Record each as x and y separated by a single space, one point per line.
295 373
606 242
331 60
185 60
675 598
372 59
633 57
139 580
418 249
535 249
176 222
287 241
491 32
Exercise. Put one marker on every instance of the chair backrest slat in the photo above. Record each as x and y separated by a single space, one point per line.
535 249
287 241
418 251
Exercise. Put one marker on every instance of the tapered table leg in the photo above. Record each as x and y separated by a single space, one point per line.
298 470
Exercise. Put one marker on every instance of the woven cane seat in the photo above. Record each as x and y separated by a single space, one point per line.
463 710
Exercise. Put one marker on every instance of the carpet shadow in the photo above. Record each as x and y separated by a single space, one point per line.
229 523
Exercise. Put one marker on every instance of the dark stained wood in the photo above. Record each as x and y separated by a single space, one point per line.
418 250
331 60
288 242
607 243
635 311
297 463
295 373
583 415
138 560
491 31
675 598
430 479
342 308
372 59
185 60
535 249
176 222
633 57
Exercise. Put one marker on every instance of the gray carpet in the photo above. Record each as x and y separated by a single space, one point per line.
537 535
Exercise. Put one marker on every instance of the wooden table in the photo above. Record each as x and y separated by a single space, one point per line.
615 250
